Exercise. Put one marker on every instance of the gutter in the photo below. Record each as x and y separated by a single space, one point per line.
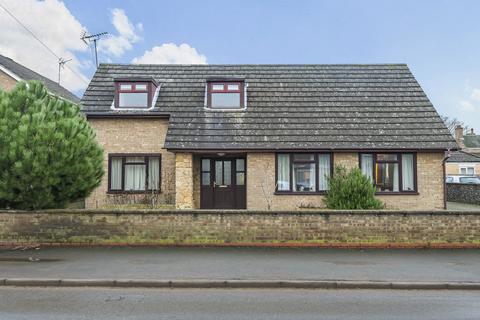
445 179
102 115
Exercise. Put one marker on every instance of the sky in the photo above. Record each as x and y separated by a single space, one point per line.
439 40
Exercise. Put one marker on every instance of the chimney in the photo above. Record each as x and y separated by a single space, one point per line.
459 136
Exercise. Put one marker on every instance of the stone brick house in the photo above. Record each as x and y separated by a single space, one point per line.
465 161
263 136
11 72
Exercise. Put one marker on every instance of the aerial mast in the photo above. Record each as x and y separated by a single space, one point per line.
89 38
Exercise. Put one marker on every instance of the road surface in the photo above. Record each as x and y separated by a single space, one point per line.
96 303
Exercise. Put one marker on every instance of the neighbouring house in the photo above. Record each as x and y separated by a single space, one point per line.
263 136
11 72
465 161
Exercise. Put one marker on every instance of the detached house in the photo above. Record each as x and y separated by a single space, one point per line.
263 136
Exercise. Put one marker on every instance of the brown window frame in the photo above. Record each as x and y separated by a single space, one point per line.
291 162
145 162
400 173
150 90
225 84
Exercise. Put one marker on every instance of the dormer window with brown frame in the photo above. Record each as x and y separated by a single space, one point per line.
229 95
134 93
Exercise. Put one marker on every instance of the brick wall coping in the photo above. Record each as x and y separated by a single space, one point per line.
242 212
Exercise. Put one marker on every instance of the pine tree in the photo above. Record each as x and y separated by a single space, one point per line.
48 153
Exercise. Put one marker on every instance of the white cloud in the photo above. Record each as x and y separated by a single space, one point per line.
53 23
475 95
170 53
467 105
116 45
470 103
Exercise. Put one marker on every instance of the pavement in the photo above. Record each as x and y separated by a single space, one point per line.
269 266
462 206
100 303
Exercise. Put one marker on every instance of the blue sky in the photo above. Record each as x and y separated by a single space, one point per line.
439 40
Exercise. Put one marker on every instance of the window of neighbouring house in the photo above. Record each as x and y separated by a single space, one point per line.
134 173
303 172
225 95
134 94
468 170
390 172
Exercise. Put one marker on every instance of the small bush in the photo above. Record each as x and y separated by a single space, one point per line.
351 190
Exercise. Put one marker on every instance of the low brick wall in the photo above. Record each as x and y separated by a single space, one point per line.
465 193
316 228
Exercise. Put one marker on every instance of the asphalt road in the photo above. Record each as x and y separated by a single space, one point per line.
242 263
106 304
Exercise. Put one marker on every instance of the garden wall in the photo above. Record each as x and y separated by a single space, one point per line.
317 228
465 193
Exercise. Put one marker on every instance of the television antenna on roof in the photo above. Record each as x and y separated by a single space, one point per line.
61 65
89 38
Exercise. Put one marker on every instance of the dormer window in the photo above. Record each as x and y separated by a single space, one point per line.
134 94
225 95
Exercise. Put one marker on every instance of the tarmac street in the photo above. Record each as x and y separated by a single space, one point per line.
281 304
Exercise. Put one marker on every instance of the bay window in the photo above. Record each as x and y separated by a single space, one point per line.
390 172
134 173
303 172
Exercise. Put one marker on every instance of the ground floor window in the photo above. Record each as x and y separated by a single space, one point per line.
303 172
134 172
390 172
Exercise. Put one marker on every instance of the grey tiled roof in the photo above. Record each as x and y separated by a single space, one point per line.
471 141
289 107
26 74
462 156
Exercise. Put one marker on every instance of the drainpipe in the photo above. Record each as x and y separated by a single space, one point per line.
445 179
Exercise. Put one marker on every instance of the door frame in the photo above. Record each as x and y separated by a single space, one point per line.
207 201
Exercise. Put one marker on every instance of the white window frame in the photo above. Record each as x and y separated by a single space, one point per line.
466 166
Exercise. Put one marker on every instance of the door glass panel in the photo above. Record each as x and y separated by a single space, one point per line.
205 178
227 173
205 164
240 165
218 172
240 178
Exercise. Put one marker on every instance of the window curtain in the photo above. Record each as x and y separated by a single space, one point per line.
283 174
367 165
116 173
323 171
135 177
153 173
407 172
395 178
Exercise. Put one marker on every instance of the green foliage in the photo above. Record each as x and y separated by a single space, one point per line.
351 190
48 153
